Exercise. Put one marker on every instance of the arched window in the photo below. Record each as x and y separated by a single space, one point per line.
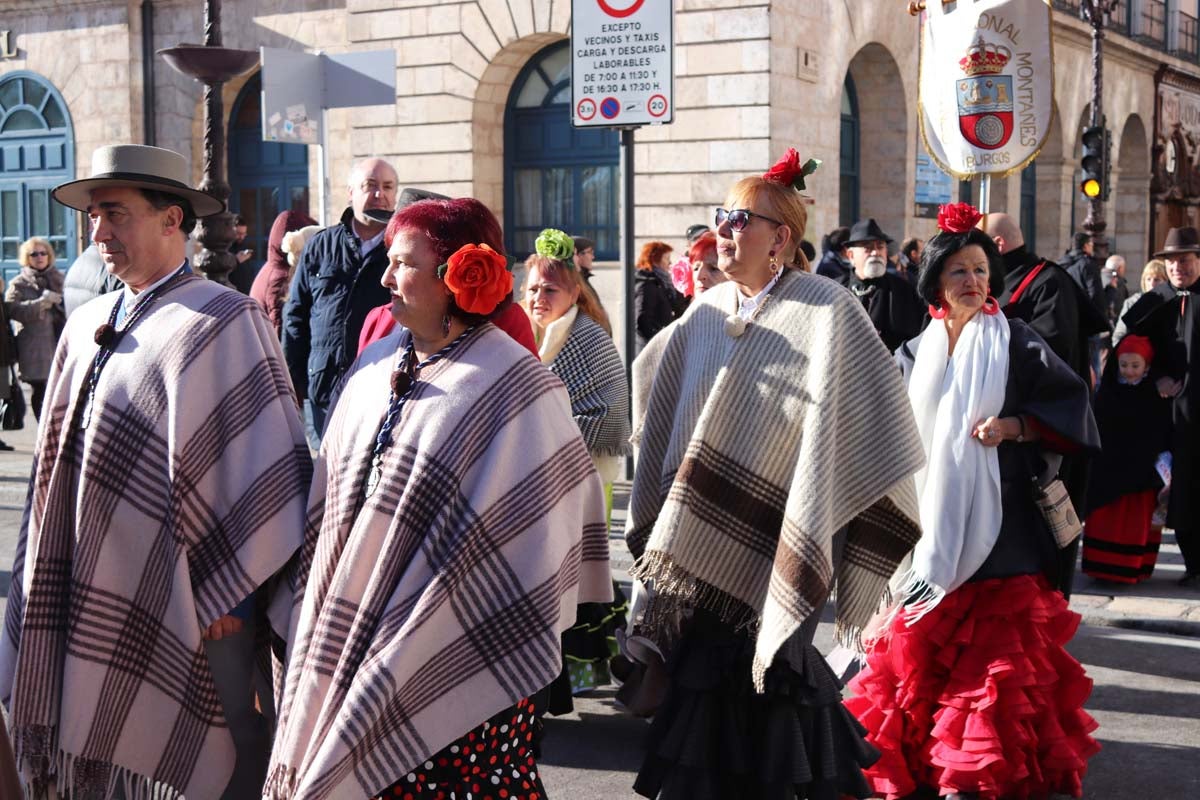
37 152
848 178
264 177
555 175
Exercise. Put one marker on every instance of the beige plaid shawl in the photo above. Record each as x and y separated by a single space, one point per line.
183 495
441 598
755 450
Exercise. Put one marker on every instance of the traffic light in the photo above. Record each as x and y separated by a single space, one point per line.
1095 162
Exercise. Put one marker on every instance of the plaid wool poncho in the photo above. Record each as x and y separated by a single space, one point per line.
182 495
755 450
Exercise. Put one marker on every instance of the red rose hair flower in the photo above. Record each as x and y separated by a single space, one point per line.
958 217
478 277
790 172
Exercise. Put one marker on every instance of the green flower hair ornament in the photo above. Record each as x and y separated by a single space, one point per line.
553 243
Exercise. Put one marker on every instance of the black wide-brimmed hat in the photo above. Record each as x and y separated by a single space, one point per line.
137 166
867 230
1180 240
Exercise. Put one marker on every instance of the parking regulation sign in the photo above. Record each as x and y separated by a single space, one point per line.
622 62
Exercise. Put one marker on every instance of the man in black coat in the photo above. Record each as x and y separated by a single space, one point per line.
337 282
1169 315
1044 296
891 301
834 263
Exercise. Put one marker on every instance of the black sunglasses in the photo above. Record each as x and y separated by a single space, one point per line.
38 253
739 218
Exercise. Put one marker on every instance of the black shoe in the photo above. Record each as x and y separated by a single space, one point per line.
1190 580
5 445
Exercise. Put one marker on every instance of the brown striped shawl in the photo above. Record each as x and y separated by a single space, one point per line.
441 598
755 450
184 495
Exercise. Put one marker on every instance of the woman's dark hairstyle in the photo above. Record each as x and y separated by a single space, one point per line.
450 224
944 245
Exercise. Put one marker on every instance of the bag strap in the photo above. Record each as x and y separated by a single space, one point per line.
1024 284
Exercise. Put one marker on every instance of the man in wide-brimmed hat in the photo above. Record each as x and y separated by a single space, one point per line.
169 484
890 300
1168 314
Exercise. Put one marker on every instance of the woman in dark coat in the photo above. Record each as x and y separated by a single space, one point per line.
656 304
968 692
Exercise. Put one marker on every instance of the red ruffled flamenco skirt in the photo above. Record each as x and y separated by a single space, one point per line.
979 696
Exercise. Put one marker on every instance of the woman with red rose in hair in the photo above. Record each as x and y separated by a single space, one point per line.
455 521
762 486
968 692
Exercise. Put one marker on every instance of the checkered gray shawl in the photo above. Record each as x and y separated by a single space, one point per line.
440 599
591 369
183 495
755 450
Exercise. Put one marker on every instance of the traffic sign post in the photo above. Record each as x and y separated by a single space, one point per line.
623 76
622 62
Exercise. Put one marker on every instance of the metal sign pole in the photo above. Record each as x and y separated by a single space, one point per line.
628 258
985 193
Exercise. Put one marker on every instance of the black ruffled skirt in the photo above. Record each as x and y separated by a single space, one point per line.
714 738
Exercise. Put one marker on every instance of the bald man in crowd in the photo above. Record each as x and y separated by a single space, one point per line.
337 283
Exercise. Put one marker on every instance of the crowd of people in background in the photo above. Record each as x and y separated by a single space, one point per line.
387 467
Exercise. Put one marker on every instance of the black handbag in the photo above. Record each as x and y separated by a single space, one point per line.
13 418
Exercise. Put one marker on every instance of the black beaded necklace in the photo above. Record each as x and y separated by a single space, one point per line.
109 336
404 380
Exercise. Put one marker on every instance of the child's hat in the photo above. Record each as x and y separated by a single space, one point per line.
1138 345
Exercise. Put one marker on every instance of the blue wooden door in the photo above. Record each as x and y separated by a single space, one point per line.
556 176
37 152
265 177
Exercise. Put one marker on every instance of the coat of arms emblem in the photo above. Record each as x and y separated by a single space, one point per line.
985 104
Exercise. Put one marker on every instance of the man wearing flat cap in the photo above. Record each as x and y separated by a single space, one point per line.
1169 315
168 485
891 301
337 283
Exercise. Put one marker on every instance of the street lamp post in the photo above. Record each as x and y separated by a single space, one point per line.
1096 14
213 65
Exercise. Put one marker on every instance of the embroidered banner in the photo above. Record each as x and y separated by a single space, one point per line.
985 93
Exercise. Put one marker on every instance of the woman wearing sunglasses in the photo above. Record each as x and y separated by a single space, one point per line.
761 486
34 299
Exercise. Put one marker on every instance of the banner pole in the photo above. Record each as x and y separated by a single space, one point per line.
985 193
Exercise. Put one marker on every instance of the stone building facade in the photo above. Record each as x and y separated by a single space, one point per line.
752 77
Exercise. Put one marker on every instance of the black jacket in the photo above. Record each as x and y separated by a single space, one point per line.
1086 271
832 267
656 304
1171 320
892 304
332 292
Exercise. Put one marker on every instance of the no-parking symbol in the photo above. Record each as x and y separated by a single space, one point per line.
610 107
586 109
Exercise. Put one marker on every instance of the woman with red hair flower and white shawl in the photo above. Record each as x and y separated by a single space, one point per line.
968 692
760 488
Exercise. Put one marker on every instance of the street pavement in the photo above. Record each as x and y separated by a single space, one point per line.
1141 646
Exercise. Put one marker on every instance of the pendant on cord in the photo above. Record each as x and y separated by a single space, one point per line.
735 326
374 475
